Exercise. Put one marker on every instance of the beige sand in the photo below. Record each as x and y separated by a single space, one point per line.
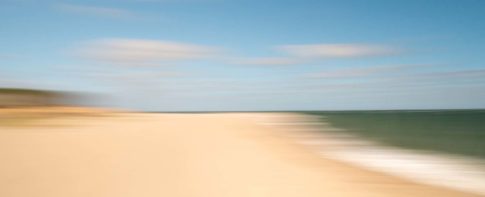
143 155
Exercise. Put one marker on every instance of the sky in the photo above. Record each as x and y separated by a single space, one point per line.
247 55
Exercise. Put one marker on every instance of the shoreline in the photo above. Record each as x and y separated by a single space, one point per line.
139 154
459 172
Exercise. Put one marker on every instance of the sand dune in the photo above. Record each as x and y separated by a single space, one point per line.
128 154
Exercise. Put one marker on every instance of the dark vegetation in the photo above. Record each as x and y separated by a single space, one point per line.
15 97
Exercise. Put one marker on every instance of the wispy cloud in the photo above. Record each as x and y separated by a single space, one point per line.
267 61
359 72
144 52
336 50
296 54
441 78
95 10
427 80
468 74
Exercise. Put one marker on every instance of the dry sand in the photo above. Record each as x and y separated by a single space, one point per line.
143 155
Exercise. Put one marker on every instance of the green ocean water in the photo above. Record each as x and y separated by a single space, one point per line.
459 132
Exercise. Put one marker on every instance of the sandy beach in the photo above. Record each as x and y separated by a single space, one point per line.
220 154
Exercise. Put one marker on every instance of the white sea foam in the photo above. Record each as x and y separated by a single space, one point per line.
456 172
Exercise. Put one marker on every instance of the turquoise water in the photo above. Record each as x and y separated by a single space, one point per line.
451 131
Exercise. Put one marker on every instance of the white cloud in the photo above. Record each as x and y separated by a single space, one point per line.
336 50
96 11
144 52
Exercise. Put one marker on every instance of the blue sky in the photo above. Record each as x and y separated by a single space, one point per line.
171 55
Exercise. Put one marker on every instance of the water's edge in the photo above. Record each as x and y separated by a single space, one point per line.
456 172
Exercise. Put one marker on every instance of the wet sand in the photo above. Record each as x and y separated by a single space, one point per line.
129 154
